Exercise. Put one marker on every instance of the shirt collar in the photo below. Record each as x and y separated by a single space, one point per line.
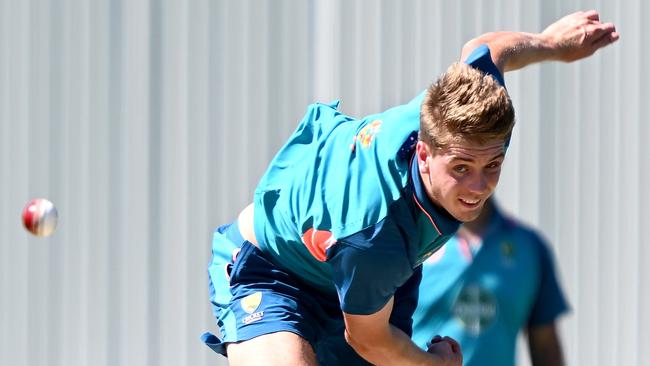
441 220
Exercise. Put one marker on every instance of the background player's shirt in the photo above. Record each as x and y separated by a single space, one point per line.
483 299
342 206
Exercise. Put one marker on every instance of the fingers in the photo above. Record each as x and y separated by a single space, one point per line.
584 15
595 32
438 346
598 29
601 35
605 40
433 341
591 15
447 348
455 346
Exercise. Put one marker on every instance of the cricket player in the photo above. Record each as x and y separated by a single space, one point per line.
324 266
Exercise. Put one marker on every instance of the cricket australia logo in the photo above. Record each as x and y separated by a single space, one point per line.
249 304
508 253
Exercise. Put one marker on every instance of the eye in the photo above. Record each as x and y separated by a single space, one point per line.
460 169
493 165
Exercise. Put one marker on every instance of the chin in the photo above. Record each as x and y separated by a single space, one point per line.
465 215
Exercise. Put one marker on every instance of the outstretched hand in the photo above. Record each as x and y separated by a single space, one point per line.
579 35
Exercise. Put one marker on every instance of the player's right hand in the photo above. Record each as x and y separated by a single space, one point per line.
447 350
579 35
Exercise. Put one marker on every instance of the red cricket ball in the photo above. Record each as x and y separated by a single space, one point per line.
40 217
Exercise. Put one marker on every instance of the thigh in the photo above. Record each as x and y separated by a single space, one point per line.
281 348
256 302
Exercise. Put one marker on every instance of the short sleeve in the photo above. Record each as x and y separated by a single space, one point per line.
368 269
481 59
406 300
550 302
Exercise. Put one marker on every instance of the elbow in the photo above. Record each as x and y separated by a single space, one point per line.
354 342
358 343
468 48
475 42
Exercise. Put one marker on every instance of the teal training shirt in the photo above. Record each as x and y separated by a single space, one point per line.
484 299
342 206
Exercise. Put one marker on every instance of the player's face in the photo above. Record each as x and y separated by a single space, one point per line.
461 177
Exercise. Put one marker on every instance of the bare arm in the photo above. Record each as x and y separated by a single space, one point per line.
571 38
544 346
380 343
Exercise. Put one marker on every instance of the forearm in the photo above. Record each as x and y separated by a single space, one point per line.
551 358
544 346
392 347
514 50
570 38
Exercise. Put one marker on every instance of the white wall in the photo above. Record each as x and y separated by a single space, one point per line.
148 124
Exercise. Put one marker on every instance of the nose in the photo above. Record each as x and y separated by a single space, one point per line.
479 183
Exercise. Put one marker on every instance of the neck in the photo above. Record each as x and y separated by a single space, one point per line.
474 230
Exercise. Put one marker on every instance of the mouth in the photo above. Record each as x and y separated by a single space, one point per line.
470 203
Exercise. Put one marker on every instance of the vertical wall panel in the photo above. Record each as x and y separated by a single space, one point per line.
149 122
135 276
642 332
16 149
198 226
5 253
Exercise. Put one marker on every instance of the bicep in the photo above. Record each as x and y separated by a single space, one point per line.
375 325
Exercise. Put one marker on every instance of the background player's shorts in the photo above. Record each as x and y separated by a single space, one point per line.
251 297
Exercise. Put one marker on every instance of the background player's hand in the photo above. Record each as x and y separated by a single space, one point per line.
579 35
447 349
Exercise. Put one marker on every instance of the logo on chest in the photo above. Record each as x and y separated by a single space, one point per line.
476 308
367 134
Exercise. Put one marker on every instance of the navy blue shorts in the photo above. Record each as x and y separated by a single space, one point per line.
251 296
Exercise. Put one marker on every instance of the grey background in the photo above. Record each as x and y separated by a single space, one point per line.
148 124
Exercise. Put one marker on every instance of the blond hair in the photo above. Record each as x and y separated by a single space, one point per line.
465 104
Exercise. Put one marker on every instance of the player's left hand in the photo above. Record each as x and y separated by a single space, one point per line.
447 349
579 35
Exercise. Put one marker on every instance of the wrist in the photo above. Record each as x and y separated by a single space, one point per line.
548 46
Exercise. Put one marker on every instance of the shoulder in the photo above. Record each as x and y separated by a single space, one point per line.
531 240
524 231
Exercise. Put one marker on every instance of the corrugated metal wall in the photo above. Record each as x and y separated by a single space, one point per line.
148 124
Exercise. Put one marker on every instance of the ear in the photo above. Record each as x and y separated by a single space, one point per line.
422 153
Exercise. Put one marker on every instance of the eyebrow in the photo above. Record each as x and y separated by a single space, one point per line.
469 160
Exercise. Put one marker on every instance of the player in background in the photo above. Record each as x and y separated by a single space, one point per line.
494 278
324 266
